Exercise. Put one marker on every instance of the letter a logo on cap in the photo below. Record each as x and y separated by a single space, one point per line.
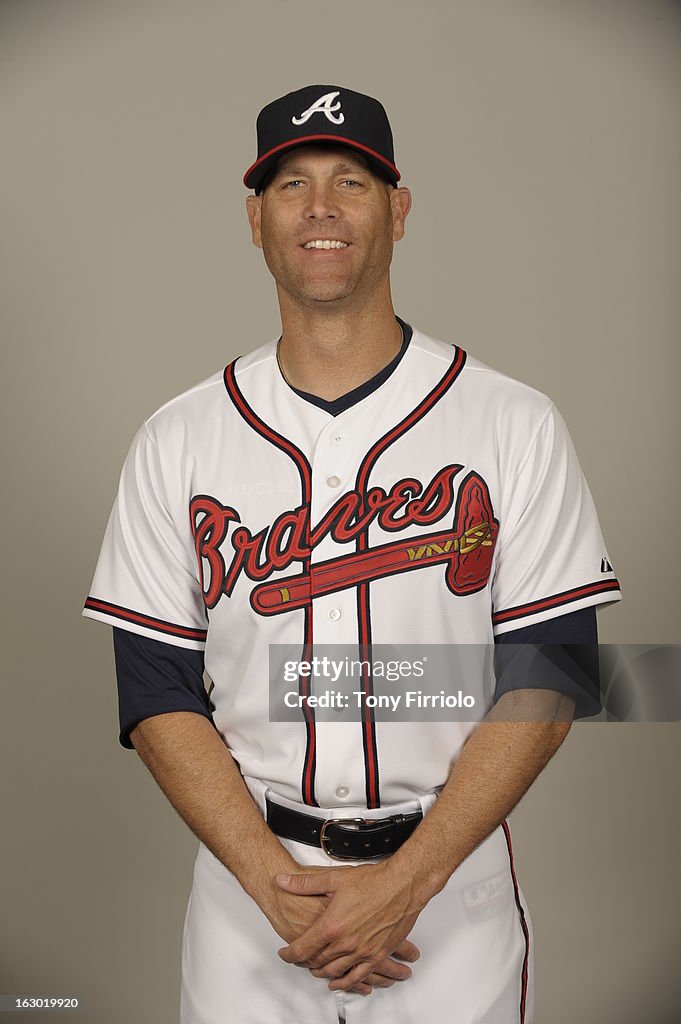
324 105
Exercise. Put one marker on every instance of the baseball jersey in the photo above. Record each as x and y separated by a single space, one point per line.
447 506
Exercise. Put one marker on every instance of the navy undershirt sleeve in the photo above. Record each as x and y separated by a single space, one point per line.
558 654
153 678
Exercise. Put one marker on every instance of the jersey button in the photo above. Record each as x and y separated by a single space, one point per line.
334 614
342 792
337 438
333 481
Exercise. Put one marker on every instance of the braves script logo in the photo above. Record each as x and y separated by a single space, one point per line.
466 548
324 105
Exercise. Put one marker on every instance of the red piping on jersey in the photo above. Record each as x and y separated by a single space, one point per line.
523 925
160 625
305 471
371 771
564 597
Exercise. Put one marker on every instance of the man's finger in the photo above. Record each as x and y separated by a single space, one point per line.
362 988
335 968
407 951
307 950
303 884
389 968
378 981
365 988
387 971
358 973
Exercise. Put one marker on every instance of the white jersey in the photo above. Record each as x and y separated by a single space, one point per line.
445 507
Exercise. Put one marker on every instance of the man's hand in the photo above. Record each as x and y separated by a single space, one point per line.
371 909
194 768
293 914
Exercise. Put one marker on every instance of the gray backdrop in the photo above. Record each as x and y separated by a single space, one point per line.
542 144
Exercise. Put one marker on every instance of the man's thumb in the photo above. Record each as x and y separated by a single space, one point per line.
303 883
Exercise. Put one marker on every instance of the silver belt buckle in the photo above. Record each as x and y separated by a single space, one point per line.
338 821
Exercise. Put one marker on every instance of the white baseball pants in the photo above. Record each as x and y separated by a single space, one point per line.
475 937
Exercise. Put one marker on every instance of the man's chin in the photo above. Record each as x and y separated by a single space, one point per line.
323 296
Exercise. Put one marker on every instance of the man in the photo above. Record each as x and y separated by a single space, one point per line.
354 482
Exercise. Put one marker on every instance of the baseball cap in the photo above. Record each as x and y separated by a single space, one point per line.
319 114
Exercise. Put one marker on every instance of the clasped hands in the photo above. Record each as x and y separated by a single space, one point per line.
361 933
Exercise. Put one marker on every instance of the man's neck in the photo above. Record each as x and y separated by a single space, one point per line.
329 355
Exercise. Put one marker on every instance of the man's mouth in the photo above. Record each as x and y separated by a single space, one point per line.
325 243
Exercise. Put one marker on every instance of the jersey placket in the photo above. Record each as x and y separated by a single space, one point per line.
334 611
344 615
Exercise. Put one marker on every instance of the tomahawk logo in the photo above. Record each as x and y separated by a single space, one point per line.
464 546
324 105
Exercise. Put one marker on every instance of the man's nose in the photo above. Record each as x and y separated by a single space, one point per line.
321 201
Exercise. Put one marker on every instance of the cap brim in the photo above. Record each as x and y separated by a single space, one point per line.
259 170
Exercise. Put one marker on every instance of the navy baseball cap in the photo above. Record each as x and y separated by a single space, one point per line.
319 114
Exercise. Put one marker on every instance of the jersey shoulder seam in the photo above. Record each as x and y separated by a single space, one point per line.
417 343
533 443
474 365
212 381
264 358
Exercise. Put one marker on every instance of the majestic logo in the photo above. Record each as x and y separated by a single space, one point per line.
324 105
466 548
605 565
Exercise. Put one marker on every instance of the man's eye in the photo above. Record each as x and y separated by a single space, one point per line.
289 184
351 181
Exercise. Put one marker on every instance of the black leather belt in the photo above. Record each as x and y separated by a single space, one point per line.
343 838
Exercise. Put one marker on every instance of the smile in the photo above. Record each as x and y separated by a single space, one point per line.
325 243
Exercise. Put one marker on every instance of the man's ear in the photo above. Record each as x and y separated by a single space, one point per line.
400 204
253 204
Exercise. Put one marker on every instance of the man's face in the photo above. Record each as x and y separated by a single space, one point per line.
328 193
